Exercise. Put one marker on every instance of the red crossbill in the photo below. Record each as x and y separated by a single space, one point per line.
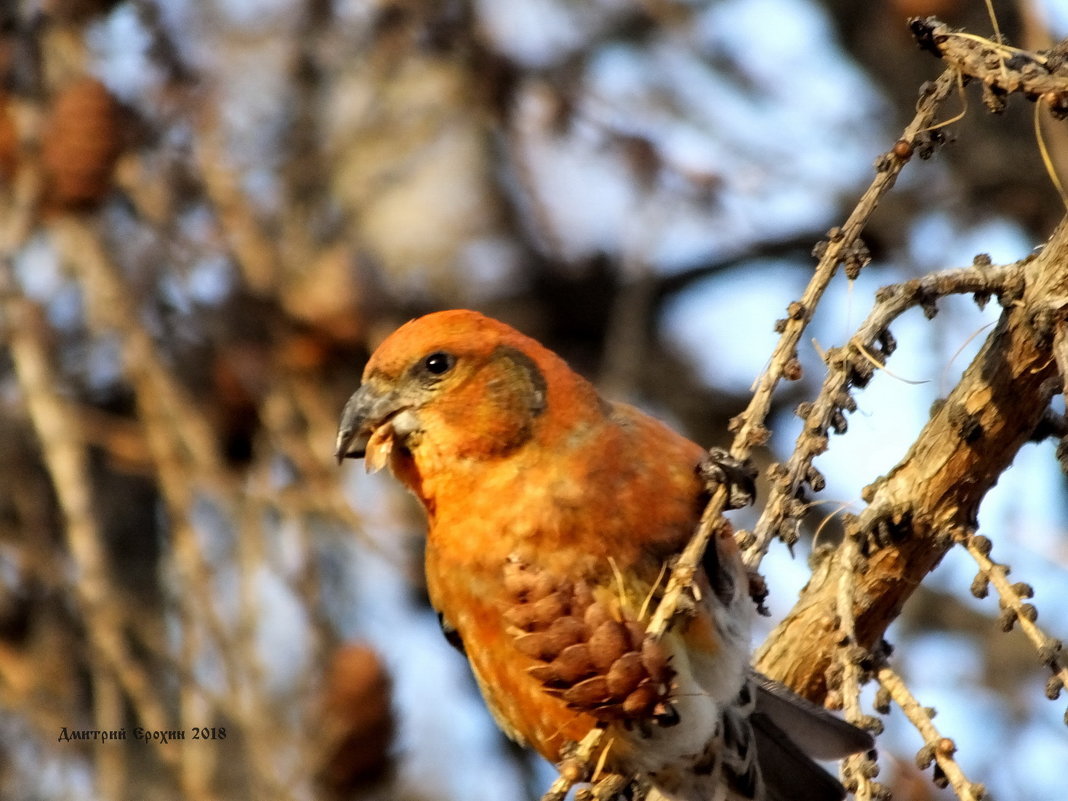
552 514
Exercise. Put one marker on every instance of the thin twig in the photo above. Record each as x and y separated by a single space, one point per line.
852 366
1016 609
1000 69
859 769
841 246
937 749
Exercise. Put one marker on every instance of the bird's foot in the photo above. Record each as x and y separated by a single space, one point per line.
719 468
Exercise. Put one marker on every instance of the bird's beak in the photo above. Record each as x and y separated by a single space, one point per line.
366 423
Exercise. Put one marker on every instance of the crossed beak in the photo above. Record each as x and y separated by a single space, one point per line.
366 429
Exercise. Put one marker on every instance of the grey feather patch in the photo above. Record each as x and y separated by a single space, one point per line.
816 731
538 388
788 773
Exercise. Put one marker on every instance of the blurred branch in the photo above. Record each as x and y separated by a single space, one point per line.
793 248
178 437
109 297
165 52
109 715
183 445
63 447
301 424
255 252
626 340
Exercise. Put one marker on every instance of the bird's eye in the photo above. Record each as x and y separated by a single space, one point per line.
438 363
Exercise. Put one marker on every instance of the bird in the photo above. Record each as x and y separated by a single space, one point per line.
552 517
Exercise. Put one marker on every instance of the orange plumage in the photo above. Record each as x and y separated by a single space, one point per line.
551 516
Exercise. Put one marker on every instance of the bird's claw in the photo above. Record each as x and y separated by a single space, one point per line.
738 476
758 591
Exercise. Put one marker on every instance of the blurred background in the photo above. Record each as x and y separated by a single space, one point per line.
212 211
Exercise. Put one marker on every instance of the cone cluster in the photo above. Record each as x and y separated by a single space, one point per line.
588 652
357 720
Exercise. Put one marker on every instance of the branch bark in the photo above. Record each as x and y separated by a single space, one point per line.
937 487
1002 69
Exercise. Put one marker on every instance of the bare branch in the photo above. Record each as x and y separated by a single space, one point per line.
842 245
937 749
853 366
858 770
936 489
1001 69
1016 609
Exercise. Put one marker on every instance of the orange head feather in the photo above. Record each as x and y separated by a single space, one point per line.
454 386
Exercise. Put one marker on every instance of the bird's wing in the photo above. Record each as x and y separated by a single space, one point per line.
788 773
817 732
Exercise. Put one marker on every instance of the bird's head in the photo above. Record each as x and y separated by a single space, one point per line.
451 385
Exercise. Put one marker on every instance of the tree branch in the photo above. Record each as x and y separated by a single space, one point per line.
853 366
936 749
937 487
859 770
1015 608
1001 69
843 247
